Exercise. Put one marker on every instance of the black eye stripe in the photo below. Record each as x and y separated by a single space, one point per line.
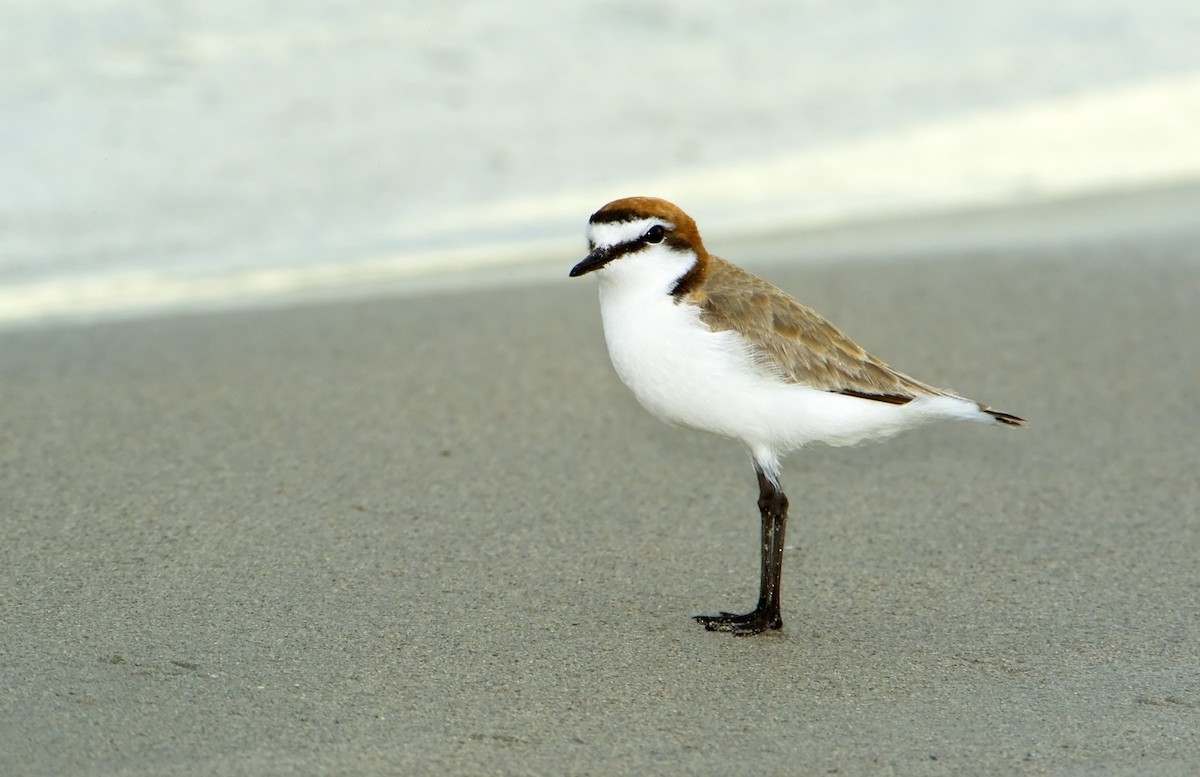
677 243
620 249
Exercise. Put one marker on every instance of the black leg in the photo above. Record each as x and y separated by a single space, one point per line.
773 507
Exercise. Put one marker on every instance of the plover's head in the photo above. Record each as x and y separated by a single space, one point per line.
642 236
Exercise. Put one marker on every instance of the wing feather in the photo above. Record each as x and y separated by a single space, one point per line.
795 341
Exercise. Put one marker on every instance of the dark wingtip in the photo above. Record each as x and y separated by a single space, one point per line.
891 399
1007 419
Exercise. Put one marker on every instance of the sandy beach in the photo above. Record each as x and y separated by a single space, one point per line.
432 533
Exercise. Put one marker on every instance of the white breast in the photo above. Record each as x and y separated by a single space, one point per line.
677 368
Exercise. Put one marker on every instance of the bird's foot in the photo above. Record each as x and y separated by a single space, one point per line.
741 625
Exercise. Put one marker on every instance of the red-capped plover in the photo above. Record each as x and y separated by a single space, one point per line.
705 344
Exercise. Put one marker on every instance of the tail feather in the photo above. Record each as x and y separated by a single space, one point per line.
1007 419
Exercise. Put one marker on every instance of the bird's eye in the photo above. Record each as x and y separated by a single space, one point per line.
655 234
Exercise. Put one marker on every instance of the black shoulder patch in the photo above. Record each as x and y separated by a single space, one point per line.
687 282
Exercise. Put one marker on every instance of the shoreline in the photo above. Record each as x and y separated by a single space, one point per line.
1031 223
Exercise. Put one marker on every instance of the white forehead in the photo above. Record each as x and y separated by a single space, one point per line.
616 232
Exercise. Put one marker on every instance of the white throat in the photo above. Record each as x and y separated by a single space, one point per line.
652 271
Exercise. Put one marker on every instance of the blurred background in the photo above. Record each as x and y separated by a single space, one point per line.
171 153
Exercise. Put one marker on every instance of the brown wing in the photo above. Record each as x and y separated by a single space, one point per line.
795 340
